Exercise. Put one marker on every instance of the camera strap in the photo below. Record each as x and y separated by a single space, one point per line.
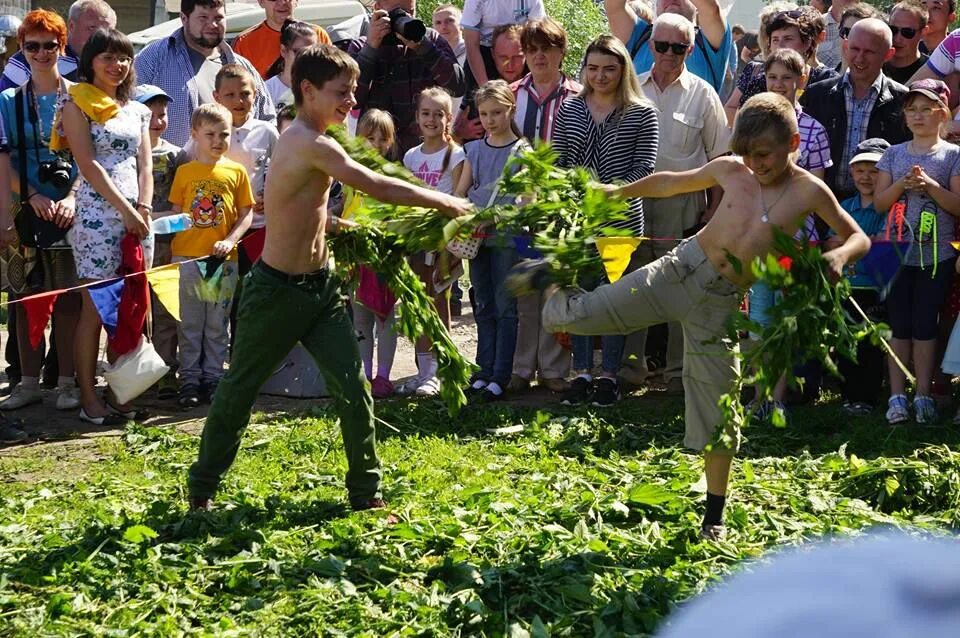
19 97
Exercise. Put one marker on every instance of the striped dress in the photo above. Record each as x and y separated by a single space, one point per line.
622 148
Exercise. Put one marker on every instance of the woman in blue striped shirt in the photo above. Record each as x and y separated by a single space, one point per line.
612 130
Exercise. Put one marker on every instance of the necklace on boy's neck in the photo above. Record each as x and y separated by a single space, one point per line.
765 217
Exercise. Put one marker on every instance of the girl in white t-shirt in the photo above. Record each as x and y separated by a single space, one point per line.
438 161
295 36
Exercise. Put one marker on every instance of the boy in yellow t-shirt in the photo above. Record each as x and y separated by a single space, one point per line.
216 193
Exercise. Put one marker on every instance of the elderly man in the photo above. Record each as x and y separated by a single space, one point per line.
185 66
261 44
693 131
393 69
539 96
908 22
712 44
510 64
860 104
83 18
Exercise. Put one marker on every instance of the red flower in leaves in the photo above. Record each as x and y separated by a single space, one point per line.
785 262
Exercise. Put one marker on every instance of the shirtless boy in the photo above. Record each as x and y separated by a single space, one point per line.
697 285
290 295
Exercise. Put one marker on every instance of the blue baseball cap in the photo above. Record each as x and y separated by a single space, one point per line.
146 92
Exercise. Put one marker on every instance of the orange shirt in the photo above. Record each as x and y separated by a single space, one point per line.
261 45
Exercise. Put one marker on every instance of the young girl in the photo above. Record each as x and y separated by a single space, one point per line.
924 173
295 36
495 309
373 313
438 161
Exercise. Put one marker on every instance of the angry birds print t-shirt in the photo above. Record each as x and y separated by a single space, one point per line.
212 194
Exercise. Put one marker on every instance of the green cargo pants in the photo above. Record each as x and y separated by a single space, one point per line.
277 311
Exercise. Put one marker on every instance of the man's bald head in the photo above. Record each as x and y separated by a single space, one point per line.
876 28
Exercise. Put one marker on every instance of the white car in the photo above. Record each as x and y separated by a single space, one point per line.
241 16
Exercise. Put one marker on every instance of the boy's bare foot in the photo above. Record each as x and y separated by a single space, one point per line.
358 505
713 532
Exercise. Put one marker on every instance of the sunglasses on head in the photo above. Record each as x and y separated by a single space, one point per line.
678 48
792 15
907 32
34 47
844 32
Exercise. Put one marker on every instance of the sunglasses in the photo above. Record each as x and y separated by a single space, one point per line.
844 32
792 15
907 32
34 47
678 48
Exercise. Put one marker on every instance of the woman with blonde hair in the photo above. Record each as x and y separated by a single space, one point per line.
612 130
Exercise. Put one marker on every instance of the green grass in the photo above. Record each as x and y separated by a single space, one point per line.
580 524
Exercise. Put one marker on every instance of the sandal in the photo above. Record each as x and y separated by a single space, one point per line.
129 415
107 420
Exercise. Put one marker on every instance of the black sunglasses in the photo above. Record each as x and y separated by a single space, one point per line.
844 32
678 48
792 15
33 46
907 32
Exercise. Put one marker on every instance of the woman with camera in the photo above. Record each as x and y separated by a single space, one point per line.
46 208
108 133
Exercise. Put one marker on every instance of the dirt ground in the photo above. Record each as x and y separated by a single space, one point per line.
45 424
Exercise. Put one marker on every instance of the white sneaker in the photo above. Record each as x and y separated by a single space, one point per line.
21 397
408 387
429 387
68 398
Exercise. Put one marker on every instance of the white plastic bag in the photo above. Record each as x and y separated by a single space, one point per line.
133 373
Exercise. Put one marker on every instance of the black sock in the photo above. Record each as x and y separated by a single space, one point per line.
714 513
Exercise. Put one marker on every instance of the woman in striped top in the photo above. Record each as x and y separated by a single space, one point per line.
612 130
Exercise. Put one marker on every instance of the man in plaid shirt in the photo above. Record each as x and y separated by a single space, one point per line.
185 65
392 75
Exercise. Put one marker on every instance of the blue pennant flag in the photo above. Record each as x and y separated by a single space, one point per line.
106 299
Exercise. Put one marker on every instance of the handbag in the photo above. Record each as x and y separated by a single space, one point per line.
135 372
468 247
34 232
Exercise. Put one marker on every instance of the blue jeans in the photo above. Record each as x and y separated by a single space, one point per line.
495 312
611 349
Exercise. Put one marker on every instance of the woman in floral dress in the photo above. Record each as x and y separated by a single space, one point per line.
108 133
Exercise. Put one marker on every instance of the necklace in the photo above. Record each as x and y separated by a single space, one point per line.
765 217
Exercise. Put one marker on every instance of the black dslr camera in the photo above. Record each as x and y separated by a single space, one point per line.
56 172
404 24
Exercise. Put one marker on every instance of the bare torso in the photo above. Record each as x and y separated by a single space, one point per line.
737 228
295 203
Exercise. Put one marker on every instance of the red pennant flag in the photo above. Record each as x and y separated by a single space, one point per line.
38 309
252 244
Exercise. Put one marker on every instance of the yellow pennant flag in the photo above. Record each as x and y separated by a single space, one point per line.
616 252
955 244
165 282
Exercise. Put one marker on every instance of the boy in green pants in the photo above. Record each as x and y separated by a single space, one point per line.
290 295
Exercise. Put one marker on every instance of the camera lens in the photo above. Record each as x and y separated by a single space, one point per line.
406 25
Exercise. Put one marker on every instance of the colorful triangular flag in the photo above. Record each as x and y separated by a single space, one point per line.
106 299
38 309
165 282
616 253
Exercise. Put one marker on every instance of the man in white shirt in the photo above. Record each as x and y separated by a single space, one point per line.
693 131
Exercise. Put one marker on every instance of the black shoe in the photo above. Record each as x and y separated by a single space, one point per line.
485 396
189 396
207 390
376 503
579 393
10 434
607 393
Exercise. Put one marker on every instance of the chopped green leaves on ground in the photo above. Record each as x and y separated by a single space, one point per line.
576 523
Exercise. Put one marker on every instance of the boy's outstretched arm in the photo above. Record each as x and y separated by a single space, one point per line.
330 158
854 242
668 184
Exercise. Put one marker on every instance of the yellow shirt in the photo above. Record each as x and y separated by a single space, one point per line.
212 194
